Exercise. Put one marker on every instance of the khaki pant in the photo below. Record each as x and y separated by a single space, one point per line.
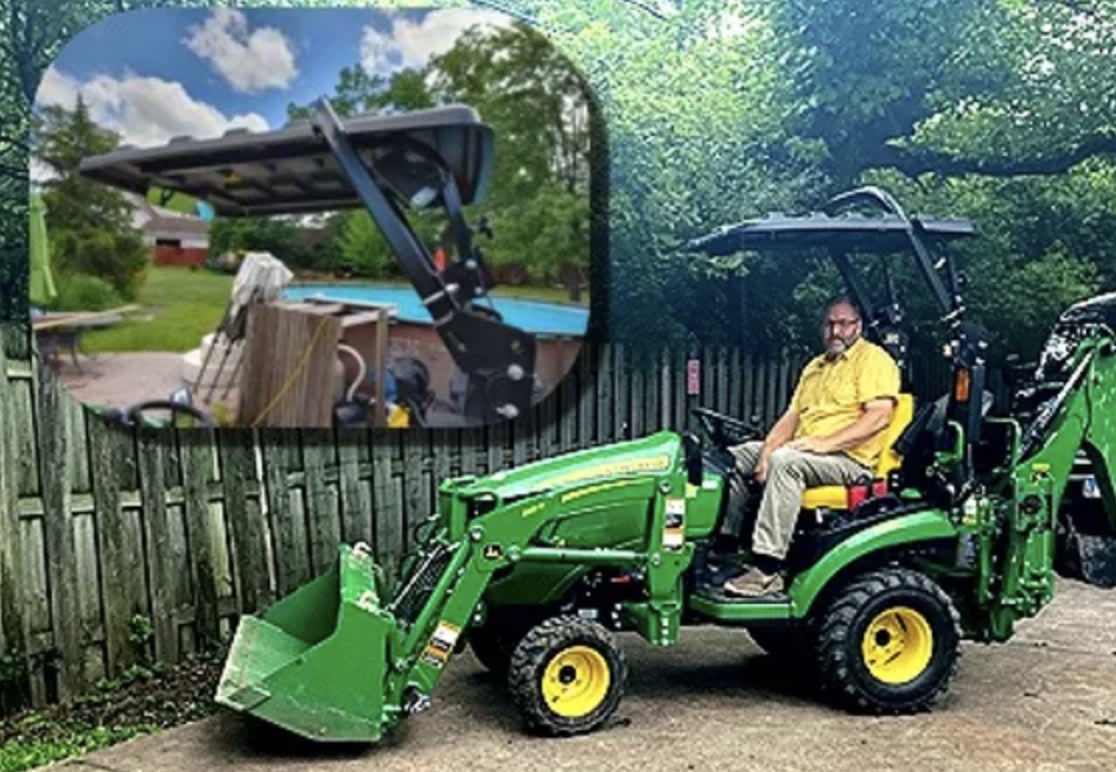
789 474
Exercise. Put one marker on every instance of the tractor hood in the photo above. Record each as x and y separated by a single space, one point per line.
658 453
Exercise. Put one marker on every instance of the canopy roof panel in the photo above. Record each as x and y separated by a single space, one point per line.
881 234
293 170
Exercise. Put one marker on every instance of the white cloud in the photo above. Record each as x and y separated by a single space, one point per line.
411 44
251 61
144 111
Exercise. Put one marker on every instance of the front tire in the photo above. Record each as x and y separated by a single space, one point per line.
889 643
567 676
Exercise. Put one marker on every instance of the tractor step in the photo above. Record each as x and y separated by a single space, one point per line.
710 599
718 595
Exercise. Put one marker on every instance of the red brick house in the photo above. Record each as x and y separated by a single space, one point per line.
172 237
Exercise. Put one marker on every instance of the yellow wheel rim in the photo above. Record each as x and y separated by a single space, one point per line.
897 646
576 682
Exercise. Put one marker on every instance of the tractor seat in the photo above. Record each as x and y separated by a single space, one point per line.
836 496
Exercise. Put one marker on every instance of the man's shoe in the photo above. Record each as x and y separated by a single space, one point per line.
754 584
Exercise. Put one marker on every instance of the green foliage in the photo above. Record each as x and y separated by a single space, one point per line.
141 634
89 225
295 246
538 201
82 292
994 111
361 248
18 756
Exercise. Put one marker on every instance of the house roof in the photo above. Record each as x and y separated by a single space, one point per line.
186 226
162 220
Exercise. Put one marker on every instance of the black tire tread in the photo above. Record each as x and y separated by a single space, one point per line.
835 627
545 639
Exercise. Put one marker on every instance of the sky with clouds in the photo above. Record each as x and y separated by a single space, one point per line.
155 74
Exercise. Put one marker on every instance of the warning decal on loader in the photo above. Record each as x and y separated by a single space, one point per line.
675 521
441 644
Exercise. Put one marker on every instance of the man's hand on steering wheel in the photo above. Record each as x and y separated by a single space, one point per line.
715 425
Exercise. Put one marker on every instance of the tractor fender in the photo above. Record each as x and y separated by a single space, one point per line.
909 529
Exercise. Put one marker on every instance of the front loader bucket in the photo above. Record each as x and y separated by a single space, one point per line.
314 663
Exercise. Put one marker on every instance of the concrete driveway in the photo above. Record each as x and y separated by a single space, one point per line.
1044 701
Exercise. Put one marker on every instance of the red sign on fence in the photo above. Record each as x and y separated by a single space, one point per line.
693 378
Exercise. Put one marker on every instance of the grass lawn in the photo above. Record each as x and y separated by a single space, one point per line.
182 306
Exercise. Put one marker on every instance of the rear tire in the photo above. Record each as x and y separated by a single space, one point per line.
889 643
567 676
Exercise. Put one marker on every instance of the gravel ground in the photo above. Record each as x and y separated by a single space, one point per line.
1044 701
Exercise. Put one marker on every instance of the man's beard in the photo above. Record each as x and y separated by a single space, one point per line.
846 343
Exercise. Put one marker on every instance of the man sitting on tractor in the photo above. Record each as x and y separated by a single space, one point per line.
831 434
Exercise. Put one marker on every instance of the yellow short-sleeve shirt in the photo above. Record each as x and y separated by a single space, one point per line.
831 394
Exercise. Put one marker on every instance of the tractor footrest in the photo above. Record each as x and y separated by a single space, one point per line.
717 595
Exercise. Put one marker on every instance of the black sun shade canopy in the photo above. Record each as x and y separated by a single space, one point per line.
880 234
293 170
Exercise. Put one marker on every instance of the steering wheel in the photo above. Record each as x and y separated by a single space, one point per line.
724 430
130 416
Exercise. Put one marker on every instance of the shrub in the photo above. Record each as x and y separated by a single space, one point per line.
82 292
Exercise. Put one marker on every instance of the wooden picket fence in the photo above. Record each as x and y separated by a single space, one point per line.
105 532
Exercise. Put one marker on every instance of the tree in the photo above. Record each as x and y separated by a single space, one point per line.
90 224
538 106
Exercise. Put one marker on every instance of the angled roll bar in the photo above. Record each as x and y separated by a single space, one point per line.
498 357
952 305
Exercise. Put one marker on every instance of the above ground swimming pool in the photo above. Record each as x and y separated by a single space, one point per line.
533 316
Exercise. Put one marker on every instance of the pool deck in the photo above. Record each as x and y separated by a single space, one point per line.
120 380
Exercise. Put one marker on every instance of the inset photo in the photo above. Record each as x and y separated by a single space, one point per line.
311 218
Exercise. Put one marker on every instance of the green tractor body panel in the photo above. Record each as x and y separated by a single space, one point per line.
656 453
903 531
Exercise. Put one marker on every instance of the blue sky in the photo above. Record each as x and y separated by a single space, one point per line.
154 74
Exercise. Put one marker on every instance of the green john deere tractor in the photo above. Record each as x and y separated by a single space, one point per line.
537 568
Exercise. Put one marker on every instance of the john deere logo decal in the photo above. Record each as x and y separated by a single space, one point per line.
493 551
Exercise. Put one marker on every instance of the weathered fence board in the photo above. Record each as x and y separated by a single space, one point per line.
188 529
16 688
